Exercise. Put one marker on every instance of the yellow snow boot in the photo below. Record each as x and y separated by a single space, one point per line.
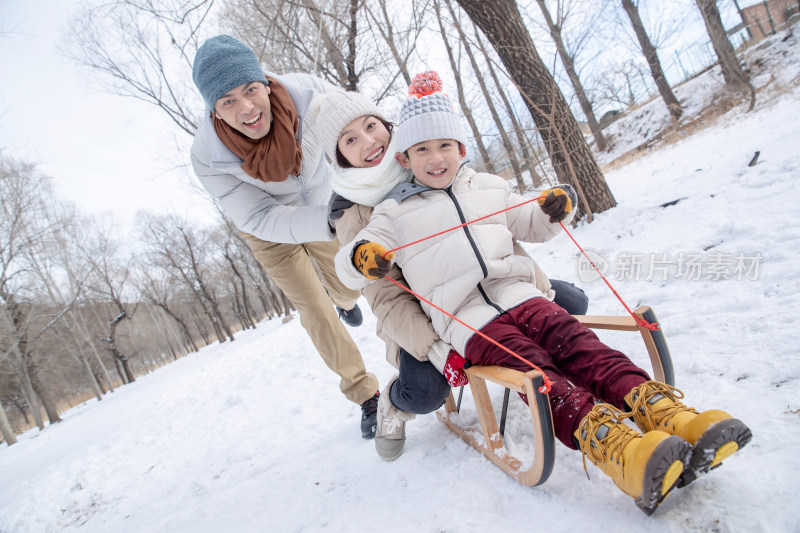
714 434
645 467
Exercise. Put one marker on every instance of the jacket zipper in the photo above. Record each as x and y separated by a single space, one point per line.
484 269
302 189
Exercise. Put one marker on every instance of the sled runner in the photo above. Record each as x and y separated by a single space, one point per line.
490 440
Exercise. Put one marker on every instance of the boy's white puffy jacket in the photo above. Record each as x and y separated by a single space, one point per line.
472 272
291 211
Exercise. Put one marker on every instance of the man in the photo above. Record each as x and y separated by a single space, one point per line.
256 153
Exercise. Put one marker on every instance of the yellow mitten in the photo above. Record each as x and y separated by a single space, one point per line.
556 204
368 259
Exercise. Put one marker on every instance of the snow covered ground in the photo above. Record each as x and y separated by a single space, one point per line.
254 436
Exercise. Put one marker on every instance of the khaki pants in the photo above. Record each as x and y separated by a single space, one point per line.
290 266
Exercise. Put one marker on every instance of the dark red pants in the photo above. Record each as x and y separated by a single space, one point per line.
580 367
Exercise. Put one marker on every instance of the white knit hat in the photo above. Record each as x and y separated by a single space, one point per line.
427 114
336 111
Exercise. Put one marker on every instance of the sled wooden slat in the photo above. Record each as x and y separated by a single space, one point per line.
654 341
621 323
490 441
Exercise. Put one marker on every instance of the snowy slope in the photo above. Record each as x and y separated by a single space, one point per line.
254 436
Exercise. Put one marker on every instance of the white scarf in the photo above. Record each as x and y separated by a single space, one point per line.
368 186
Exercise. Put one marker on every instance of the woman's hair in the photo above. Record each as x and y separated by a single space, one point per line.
343 162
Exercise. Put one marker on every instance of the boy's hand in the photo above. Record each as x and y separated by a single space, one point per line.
556 204
453 370
369 259
449 362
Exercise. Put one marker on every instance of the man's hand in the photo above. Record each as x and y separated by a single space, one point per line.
556 203
336 207
369 259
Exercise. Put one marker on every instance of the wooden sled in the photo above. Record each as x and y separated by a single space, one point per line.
491 444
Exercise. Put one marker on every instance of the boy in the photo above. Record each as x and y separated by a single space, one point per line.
472 273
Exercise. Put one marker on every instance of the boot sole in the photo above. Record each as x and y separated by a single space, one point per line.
389 449
663 472
719 442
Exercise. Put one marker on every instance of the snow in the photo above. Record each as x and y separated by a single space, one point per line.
253 435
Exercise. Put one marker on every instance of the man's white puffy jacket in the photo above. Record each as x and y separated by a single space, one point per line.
292 211
471 272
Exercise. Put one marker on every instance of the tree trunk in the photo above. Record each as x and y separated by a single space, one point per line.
30 393
245 309
651 55
43 393
571 157
744 22
462 100
5 428
515 168
81 326
98 392
201 328
106 374
389 38
522 140
350 61
577 86
732 72
114 351
182 324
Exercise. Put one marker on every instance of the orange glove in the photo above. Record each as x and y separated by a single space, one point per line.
556 204
368 258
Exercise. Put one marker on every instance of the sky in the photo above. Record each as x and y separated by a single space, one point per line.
104 152
253 435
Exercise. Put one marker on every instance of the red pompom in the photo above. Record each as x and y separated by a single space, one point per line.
424 84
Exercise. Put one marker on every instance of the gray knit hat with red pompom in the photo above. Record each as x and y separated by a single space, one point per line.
427 114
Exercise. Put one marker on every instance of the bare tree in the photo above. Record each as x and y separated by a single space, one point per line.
144 49
5 428
401 42
476 134
651 55
28 223
732 72
476 69
112 283
572 159
61 275
522 140
568 60
160 290
618 84
185 251
303 36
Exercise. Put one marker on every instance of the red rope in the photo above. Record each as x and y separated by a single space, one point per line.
460 226
547 383
639 321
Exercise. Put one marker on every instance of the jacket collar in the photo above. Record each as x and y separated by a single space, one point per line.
404 191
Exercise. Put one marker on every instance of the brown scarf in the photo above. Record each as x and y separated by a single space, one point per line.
277 155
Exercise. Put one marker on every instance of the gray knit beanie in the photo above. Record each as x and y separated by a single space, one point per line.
427 114
336 111
223 63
